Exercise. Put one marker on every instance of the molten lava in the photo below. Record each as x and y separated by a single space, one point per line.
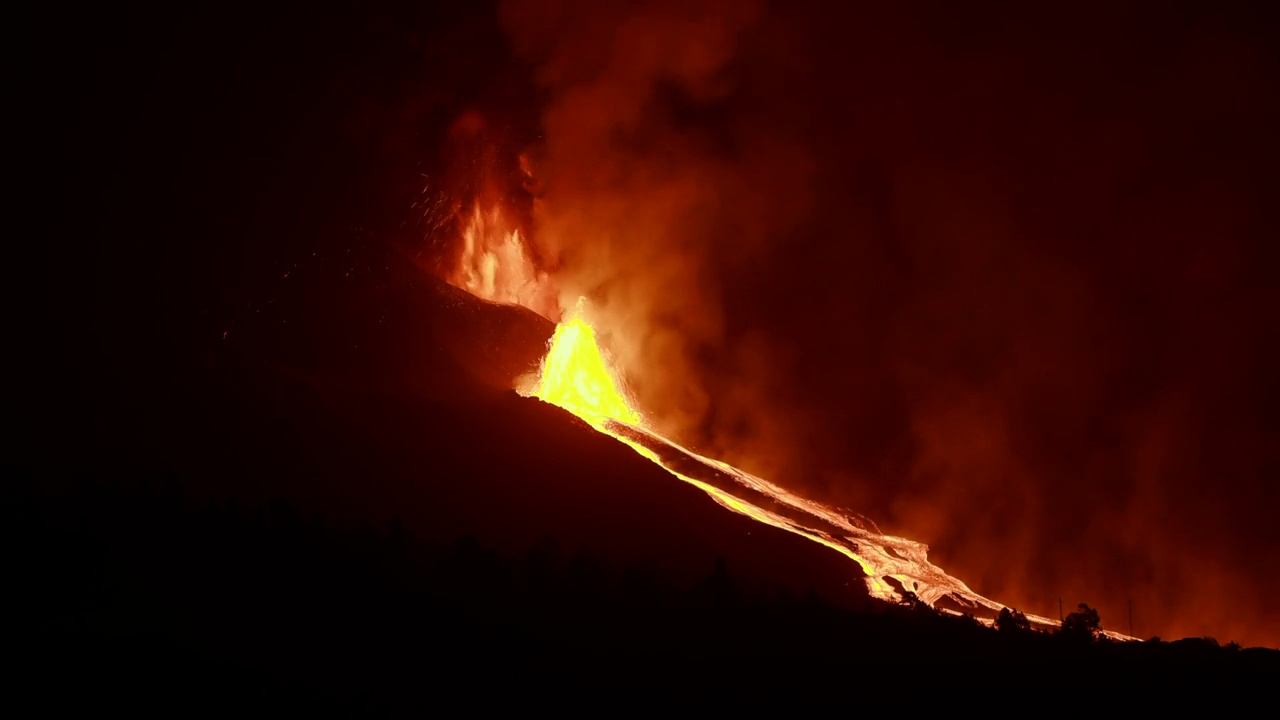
576 377
496 265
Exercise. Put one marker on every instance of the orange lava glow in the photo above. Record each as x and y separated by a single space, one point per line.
496 266
576 377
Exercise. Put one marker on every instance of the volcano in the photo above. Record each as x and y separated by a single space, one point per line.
283 466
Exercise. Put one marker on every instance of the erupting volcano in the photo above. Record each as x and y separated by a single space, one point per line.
578 376
731 353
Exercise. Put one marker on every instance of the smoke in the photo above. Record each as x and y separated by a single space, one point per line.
651 191
992 279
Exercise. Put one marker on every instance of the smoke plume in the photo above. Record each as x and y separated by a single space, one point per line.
991 278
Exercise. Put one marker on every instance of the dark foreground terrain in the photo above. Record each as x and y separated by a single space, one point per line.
303 529
138 595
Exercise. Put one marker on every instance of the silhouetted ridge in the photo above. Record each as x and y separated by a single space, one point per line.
215 601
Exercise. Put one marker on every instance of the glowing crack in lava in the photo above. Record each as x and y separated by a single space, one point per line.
577 376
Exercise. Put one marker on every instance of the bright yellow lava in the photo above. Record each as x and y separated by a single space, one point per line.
576 377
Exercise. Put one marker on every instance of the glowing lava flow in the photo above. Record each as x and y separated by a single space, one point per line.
577 377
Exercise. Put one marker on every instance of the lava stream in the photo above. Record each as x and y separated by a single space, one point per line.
577 377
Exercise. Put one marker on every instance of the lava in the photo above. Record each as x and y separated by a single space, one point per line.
496 265
577 377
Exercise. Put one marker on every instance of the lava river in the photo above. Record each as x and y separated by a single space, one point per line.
576 376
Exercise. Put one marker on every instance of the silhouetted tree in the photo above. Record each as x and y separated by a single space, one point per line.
1082 625
1010 621
912 600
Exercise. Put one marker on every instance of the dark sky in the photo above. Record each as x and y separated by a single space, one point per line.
1003 279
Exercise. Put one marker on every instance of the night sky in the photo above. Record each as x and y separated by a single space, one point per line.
1001 278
